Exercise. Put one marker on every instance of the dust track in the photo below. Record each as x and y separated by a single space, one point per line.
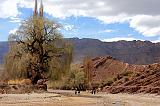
67 98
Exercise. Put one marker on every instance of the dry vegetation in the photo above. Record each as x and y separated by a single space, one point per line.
37 52
37 55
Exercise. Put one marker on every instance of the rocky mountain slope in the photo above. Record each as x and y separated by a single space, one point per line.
104 68
147 81
132 52
114 76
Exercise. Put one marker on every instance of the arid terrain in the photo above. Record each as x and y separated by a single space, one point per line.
79 53
67 98
119 77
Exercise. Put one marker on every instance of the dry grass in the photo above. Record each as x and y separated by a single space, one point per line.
18 81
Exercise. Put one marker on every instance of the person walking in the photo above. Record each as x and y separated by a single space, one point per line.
75 90
79 91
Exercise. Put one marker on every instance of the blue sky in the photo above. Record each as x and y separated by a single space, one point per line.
106 20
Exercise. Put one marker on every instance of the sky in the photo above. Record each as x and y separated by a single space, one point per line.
106 20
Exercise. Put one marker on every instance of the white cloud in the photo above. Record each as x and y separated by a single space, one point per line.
142 15
147 25
114 19
155 41
127 39
13 31
119 39
68 27
9 8
15 20
107 31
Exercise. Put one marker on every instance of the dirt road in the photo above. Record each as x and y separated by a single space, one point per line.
67 98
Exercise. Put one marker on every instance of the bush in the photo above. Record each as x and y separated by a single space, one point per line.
109 83
137 74
119 77
126 79
126 73
114 79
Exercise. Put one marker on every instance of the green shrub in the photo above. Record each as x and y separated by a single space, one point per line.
126 79
114 79
126 73
109 82
119 77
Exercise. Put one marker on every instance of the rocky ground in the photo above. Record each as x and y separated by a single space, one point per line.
67 98
114 76
146 81
108 67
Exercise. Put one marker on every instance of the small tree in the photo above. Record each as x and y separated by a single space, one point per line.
75 78
88 68
37 50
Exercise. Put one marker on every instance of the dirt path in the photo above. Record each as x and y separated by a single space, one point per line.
45 99
67 98
130 100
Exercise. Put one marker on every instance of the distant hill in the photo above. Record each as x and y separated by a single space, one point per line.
3 50
133 52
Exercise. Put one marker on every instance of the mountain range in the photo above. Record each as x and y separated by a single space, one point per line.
3 50
132 52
